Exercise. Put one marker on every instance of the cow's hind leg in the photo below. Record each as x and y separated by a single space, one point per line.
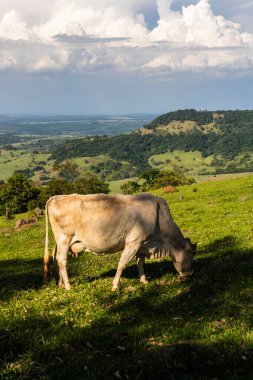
56 266
127 255
61 258
140 265
58 275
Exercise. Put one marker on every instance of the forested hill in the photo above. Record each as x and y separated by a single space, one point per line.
224 134
225 120
200 117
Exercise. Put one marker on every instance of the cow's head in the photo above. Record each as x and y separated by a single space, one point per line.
182 259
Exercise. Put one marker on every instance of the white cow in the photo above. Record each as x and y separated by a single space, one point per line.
140 226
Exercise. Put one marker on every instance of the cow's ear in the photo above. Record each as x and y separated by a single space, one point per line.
188 240
191 246
194 246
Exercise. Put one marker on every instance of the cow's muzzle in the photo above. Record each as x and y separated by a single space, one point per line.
183 276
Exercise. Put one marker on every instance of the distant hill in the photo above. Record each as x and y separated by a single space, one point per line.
225 136
200 117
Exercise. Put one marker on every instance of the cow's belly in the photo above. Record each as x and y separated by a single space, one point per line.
97 245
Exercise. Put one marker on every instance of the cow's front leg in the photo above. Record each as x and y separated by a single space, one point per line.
127 255
140 265
61 257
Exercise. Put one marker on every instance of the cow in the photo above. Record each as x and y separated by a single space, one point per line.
139 225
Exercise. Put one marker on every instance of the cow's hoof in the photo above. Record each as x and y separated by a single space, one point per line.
143 280
114 288
62 286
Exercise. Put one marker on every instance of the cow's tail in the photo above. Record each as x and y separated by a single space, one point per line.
46 258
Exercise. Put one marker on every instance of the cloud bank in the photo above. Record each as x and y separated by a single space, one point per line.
88 35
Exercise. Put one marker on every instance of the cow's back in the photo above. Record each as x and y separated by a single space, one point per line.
103 222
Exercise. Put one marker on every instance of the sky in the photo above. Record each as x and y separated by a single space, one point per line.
125 56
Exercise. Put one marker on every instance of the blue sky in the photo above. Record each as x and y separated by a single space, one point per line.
128 56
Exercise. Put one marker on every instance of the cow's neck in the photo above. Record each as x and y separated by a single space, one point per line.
159 251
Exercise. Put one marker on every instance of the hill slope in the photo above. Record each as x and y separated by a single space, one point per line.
225 135
199 329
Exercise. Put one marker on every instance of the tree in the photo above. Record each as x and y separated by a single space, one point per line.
57 186
16 194
130 187
156 179
67 170
171 178
91 184
150 175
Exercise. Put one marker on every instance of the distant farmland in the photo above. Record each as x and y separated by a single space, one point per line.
71 125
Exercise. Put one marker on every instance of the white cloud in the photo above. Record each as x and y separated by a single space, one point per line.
81 35
212 58
196 25
13 27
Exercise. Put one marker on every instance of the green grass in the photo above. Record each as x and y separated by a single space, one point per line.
10 161
198 329
193 162
85 163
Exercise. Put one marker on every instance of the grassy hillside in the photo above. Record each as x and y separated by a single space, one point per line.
177 127
191 162
12 160
226 136
40 166
199 329
218 142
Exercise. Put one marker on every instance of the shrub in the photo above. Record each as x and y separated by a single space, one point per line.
130 187
167 178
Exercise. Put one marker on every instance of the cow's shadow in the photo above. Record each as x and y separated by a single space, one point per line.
19 274
155 270
23 274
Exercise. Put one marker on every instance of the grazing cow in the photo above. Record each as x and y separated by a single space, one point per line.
140 225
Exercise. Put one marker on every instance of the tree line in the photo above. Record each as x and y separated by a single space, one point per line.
19 194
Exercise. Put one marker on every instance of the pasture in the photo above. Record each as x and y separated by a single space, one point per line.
12 160
198 329
198 166
193 162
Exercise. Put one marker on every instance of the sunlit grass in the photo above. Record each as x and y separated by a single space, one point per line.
199 329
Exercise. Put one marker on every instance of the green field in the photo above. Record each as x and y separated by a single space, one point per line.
198 329
13 160
192 162
85 163
10 161
197 166
20 160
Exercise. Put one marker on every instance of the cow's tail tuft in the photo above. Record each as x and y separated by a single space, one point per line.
46 258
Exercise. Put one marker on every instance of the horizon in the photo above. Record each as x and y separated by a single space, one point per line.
45 114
